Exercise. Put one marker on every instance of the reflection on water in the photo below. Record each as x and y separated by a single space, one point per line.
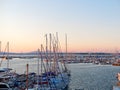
87 76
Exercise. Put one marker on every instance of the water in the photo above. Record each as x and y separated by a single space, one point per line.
93 77
87 76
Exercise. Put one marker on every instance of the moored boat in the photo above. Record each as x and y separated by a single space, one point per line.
116 63
53 73
117 86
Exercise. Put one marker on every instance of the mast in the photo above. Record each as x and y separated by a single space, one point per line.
38 67
56 52
0 53
27 66
66 46
46 53
46 44
54 68
65 51
6 51
66 43
50 50
41 65
56 42
0 46
7 54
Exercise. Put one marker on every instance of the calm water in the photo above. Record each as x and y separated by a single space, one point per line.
87 76
93 77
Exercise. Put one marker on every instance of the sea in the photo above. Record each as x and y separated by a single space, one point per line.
84 76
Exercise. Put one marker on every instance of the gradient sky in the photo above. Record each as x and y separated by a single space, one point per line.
91 25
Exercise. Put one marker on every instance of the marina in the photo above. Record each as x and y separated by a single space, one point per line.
86 76
58 71
36 55
52 72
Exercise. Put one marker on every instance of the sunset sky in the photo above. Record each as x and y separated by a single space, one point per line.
91 25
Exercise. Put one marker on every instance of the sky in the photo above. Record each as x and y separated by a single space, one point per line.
90 25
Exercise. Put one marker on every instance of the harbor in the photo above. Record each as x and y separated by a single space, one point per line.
52 72
43 70
86 76
59 45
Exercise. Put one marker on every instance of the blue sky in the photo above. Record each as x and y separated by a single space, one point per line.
91 25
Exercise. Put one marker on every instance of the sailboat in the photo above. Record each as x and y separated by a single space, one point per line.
117 86
53 74
5 71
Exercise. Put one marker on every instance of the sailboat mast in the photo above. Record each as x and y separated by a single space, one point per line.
66 45
57 51
7 54
46 44
54 68
1 54
65 51
56 42
38 67
27 66
50 50
0 46
41 64
46 52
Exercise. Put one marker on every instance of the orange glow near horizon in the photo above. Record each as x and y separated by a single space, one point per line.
34 44
77 49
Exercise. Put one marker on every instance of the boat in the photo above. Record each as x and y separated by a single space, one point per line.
53 74
117 86
116 63
6 74
7 70
4 71
4 86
